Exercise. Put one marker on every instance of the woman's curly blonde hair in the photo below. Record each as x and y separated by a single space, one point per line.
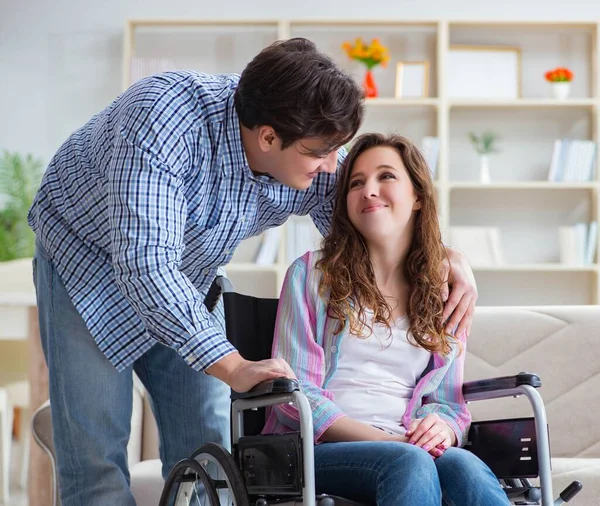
348 278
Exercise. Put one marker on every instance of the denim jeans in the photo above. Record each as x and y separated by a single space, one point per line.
399 474
92 402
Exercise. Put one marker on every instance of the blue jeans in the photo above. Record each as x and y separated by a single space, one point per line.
400 474
92 402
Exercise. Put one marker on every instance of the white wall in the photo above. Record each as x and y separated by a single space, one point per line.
60 60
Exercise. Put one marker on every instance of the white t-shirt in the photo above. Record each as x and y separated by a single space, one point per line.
375 376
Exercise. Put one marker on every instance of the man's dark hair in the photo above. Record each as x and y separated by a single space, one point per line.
299 92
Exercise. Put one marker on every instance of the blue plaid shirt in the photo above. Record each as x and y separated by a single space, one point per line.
141 205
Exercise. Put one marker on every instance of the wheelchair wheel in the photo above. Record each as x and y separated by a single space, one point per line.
188 484
224 474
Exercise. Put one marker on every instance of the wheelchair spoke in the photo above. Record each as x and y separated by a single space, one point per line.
220 482
223 474
209 478
198 494
188 484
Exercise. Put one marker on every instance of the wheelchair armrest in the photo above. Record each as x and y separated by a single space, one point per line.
219 286
504 386
276 386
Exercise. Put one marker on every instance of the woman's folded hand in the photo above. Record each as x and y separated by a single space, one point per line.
432 434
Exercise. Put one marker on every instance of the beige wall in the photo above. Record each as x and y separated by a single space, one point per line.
62 59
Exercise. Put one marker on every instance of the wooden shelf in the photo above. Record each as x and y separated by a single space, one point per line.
377 23
524 102
536 268
202 22
402 102
527 128
503 23
250 267
525 185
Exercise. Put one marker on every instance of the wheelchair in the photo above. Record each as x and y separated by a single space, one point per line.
270 469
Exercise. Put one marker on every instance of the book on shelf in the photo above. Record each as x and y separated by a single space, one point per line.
577 243
572 161
301 236
481 245
269 246
430 148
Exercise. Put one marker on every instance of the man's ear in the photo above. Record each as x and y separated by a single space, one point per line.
267 138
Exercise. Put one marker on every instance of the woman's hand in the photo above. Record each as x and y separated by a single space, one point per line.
432 434
459 294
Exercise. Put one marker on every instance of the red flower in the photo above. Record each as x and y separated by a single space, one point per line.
559 74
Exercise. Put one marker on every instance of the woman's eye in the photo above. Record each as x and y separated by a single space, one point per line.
354 184
388 175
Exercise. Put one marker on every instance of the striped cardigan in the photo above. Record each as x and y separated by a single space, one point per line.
304 337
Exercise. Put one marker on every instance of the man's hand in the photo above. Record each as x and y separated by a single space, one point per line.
241 374
432 434
459 294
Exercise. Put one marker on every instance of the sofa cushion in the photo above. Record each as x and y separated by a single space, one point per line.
587 471
146 482
559 343
150 439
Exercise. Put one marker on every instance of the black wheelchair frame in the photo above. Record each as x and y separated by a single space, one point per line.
279 469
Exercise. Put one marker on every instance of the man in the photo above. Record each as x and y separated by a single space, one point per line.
136 212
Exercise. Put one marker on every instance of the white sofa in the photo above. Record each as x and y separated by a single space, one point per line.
142 451
561 344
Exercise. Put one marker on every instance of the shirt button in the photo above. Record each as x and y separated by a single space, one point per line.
226 252
206 272
334 349
243 219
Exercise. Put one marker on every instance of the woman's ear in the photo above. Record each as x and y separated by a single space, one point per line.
417 204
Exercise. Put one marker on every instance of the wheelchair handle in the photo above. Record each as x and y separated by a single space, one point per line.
219 285
568 493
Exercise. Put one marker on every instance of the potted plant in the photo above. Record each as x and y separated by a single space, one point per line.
20 177
372 55
484 144
560 79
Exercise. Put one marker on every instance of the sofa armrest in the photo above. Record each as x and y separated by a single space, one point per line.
135 444
504 386
276 386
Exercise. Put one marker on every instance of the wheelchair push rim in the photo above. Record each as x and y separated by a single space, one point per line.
224 474
191 484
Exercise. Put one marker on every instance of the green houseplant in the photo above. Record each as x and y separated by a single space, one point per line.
484 144
20 176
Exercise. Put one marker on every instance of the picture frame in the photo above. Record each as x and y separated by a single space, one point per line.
483 72
481 245
412 79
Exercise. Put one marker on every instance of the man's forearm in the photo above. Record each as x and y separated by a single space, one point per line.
224 368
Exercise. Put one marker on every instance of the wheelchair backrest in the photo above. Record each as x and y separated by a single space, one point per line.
250 323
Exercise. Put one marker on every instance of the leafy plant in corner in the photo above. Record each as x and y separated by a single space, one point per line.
20 177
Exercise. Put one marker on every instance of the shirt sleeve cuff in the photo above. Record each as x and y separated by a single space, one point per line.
205 349
458 432
326 424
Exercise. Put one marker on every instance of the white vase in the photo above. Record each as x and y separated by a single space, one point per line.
561 89
484 169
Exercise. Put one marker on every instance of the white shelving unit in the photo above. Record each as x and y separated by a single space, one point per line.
520 201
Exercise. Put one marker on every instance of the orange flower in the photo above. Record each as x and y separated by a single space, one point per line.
371 55
559 74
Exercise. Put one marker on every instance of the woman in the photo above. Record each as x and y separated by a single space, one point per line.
360 322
